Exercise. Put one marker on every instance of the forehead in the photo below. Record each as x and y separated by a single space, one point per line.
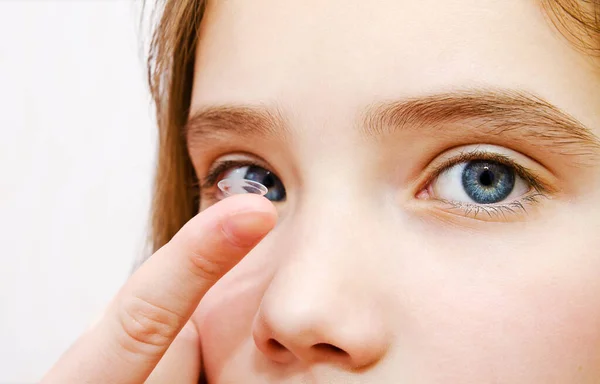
353 52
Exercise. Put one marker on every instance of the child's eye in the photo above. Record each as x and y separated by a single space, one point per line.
479 182
276 190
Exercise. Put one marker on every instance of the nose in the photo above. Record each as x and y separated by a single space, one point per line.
322 308
315 320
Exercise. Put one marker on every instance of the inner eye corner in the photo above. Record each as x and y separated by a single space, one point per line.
423 192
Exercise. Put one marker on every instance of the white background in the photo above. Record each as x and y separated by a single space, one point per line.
77 143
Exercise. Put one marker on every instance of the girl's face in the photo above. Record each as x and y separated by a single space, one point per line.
437 172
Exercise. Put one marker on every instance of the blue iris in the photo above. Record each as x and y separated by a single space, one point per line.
268 179
488 182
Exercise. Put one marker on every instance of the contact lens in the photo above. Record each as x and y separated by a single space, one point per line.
231 187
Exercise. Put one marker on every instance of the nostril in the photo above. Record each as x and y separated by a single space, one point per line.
277 352
276 345
330 349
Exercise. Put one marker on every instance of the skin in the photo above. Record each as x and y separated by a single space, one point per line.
409 290
368 277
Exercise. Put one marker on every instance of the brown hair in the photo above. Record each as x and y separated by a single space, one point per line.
170 72
579 22
170 75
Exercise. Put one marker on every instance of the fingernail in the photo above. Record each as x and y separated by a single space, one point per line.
247 228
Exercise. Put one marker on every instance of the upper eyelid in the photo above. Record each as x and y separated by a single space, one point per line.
529 175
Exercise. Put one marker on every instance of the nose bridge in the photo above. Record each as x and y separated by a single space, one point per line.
322 302
327 250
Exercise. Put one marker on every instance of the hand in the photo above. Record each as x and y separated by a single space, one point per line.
144 321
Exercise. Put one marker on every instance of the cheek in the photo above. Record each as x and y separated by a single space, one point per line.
525 312
226 313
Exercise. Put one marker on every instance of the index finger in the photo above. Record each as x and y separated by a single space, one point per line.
157 301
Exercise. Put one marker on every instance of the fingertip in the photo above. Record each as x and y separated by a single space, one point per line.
245 229
248 202
233 225
231 206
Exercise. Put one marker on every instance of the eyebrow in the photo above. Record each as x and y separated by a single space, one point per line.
484 113
480 113
245 121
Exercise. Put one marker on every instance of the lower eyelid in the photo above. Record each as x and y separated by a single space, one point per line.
517 210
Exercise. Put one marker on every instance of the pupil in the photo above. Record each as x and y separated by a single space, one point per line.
487 178
268 180
488 182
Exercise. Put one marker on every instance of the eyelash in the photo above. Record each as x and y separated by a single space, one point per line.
541 189
497 210
493 210
221 167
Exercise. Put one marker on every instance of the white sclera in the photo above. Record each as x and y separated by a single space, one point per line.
241 186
